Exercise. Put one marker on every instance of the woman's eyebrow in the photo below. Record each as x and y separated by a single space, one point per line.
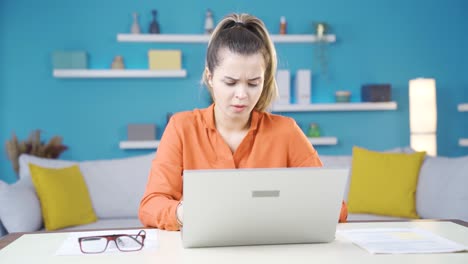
234 79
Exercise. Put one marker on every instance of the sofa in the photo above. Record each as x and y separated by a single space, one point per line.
116 186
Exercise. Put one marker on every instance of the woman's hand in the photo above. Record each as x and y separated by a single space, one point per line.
180 213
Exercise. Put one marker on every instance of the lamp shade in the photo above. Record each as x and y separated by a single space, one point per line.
423 115
425 142
422 106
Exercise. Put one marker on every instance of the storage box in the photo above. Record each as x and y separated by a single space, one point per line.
303 87
165 59
283 80
70 60
141 132
376 93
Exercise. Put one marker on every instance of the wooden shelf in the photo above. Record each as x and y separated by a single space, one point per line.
119 73
336 107
463 107
463 142
143 144
201 38
323 141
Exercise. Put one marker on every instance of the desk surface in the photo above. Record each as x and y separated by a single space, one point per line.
41 248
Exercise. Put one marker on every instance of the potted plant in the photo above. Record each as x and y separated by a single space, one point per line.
33 146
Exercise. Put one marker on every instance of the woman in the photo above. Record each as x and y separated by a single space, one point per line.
235 131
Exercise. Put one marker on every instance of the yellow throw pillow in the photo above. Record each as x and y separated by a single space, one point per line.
63 195
384 183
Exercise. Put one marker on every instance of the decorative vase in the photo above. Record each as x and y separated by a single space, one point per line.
342 96
209 23
154 26
135 26
117 63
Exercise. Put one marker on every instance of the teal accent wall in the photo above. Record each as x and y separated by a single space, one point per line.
387 41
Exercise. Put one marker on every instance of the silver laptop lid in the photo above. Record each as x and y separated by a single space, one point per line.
261 206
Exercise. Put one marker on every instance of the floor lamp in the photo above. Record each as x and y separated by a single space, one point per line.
423 115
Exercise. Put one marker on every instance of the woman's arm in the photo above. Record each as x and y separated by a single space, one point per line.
164 188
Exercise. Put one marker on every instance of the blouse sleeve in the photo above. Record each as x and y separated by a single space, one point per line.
164 187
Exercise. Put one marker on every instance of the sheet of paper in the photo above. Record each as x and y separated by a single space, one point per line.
70 246
400 241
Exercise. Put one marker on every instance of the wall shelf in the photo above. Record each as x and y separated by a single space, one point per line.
153 144
335 107
119 73
143 144
463 142
323 141
202 38
463 107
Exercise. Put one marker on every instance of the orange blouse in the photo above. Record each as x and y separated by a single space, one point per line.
191 141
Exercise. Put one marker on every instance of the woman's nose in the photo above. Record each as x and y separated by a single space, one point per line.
241 92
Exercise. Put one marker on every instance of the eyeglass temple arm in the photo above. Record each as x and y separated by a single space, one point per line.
142 233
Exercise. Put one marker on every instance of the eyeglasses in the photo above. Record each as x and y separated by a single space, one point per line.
124 242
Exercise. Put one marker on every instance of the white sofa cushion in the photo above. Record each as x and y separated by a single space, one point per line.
338 162
115 185
20 210
442 188
25 159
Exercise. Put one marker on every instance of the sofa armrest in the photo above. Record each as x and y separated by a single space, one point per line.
20 209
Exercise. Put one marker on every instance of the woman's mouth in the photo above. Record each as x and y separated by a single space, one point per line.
239 108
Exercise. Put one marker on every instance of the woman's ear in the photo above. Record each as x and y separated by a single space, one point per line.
209 76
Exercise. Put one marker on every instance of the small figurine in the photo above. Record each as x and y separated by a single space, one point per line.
314 130
135 26
321 29
118 63
154 26
283 26
209 23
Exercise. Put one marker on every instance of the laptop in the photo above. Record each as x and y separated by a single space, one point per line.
238 207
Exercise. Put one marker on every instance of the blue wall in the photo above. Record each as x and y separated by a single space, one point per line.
388 41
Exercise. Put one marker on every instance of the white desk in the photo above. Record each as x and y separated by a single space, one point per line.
40 248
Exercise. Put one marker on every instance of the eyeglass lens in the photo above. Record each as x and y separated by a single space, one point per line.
93 244
129 243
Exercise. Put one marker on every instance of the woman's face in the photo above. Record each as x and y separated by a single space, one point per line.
237 83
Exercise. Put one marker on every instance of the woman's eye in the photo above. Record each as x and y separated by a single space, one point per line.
253 84
230 83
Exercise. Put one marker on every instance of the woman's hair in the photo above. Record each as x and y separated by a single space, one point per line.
245 35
